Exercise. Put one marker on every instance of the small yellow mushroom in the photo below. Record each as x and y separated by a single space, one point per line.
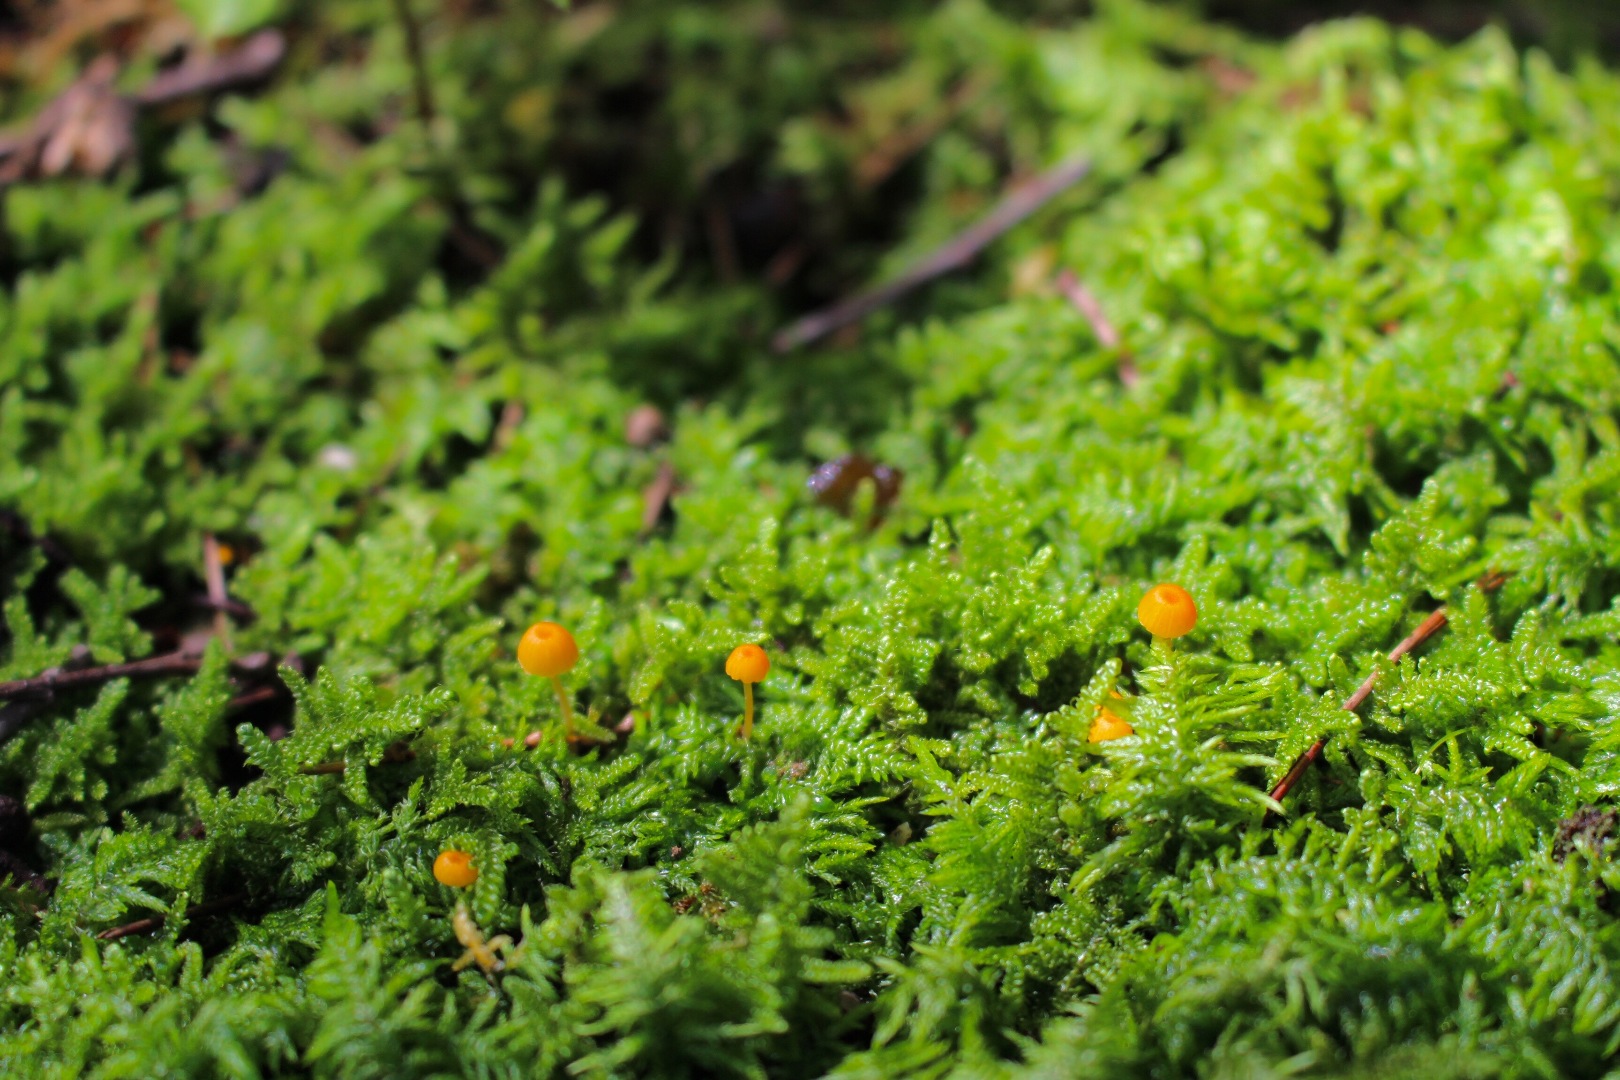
1167 612
748 664
550 650
1108 724
455 869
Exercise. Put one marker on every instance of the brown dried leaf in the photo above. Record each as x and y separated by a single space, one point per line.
836 482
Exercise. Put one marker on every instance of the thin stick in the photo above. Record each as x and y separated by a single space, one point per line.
1426 629
748 711
52 681
257 57
195 911
175 663
426 111
1091 309
234 608
476 245
254 697
395 754
1013 208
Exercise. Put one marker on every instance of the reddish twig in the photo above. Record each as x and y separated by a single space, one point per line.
394 755
175 663
1091 309
255 59
953 255
254 697
52 681
1426 629
416 53
234 608
195 911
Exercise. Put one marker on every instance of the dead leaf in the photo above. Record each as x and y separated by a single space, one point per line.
836 482
644 426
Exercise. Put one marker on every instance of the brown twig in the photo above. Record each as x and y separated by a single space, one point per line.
195 911
1431 625
255 59
254 697
421 85
175 663
1091 309
51 681
961 250
394 755
236 609
462 232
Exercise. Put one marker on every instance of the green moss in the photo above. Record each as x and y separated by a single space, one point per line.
1370 300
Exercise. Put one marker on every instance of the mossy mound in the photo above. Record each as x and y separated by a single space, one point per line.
1369 356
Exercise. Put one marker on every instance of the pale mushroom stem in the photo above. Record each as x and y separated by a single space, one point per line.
565 705
748 710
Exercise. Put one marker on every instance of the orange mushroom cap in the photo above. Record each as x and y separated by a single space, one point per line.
1108 725
1167 611
748 664
455 869
547 649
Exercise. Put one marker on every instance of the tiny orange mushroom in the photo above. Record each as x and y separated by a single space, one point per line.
455 869
550 650
748 664
1108 724
1167 612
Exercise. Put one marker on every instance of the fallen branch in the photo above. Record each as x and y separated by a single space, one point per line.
1426 629
1091 309
52 681
421 86
257 57
236 609
396 754
195 911
953 255
255 697
175 663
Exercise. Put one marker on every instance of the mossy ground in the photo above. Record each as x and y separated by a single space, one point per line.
1367 284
